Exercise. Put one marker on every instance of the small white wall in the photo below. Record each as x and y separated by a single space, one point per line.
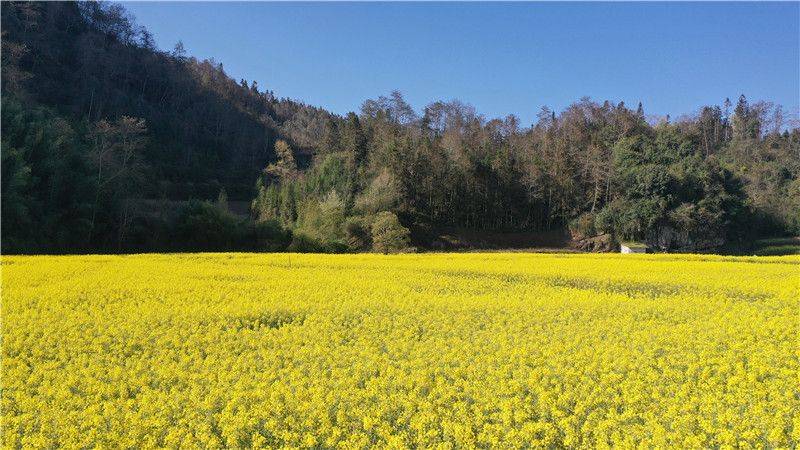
626 249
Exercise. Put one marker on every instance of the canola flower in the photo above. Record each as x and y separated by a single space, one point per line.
436 351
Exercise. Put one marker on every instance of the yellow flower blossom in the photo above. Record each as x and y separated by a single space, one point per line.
501 350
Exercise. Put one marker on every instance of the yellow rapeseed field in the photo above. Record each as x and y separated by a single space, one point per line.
500 350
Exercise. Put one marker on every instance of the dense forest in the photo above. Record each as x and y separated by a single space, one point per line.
110 144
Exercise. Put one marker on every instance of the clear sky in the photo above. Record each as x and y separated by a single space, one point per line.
503 58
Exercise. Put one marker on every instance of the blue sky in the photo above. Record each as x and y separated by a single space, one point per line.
503 58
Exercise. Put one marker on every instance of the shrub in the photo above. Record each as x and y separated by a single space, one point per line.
201 226
583 226
357 233
778 250
303 243
388 235
267 236
323 220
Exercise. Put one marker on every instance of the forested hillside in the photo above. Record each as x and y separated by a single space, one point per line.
82 79
98 124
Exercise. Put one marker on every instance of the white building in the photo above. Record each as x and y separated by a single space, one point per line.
632 247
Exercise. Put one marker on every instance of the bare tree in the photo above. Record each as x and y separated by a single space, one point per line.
115 152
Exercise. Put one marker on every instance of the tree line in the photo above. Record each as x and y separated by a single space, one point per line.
96 120
600 170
